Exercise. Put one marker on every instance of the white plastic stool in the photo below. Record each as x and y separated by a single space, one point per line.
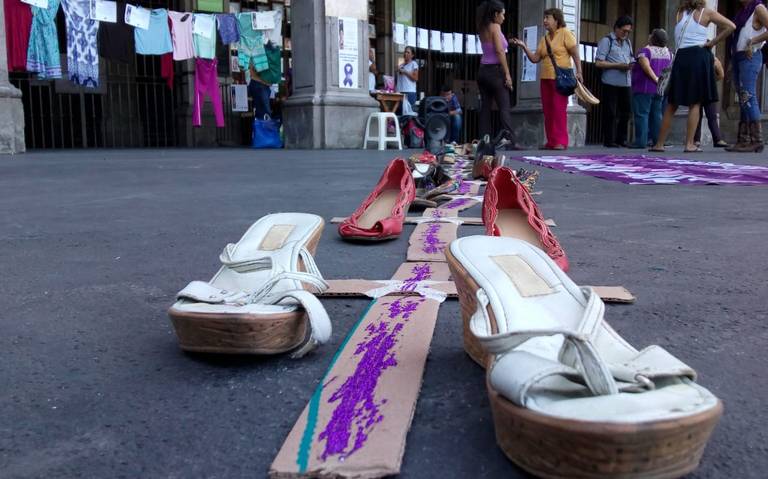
381 137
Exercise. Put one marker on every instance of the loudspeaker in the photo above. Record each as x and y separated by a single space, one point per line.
436 128
433 112
432 104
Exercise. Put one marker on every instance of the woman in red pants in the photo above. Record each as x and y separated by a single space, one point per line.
565 48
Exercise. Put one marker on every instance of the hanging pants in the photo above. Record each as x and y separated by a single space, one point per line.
206 81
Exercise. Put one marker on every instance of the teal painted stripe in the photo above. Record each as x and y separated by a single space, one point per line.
314 404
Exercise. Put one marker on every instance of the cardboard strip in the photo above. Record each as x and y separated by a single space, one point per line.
465 220
429 240
357 420
358 287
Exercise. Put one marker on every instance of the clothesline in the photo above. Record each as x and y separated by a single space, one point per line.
116 29
435 40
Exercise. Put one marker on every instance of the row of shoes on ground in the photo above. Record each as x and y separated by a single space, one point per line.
569 396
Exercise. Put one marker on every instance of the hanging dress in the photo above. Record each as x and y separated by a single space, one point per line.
18 18
43 53
82 43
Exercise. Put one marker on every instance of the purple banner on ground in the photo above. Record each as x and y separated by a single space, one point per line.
650 170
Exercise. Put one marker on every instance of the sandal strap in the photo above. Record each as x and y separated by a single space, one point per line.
203 292
579 359
320 327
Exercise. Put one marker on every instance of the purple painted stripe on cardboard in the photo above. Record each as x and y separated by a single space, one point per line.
432 243
650 170
357 410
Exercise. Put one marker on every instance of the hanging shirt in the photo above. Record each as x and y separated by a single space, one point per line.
43 52
156 40
18 22
228 30
181 35
82 43
205 47
251 45
116 39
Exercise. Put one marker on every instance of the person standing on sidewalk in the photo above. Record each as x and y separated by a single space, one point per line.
746 42
564 49
494 79
407 76
646 103
616 58
713 116
692 81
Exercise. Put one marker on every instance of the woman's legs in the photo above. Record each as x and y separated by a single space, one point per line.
694 112
485 85
560 119
547 90
748 70
713 121
666 124
654 118
641 107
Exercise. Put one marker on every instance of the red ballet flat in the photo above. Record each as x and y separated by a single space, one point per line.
510 210
381 215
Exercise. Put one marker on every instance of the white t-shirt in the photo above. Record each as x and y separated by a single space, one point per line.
371 78
405 84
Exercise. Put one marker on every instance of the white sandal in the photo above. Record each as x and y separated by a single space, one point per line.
569 396
257 303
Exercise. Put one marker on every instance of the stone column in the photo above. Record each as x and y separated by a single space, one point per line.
528 113
320 114
11 108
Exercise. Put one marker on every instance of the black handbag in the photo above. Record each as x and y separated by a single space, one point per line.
565 79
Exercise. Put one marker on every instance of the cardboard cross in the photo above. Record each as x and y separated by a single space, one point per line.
357 420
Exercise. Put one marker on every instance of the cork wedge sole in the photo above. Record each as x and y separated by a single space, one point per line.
244 333
466 288
553 447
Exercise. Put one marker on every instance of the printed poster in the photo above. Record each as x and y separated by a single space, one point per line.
435 41
137 17
458 42
104 11
422 38
530 70
447 42
349 54
239 97
410 36
399 33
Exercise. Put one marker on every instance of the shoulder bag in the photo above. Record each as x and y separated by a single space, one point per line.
565 79
662 87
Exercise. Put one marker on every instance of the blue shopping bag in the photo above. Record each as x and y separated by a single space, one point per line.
266 133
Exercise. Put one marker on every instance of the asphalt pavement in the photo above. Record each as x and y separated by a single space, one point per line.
95 244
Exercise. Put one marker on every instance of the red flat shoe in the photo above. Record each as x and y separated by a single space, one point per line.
382 214
509 210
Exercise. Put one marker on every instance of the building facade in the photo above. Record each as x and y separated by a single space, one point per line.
135 106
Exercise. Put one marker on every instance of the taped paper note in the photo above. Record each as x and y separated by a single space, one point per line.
37 3
137 17
435 41
104 11
410 36
422 38
399 33
263 21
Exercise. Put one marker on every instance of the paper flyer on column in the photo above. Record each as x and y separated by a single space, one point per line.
349 54
530 38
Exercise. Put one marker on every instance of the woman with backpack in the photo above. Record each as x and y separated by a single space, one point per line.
692 81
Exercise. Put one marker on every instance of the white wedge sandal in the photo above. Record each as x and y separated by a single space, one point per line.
570 397
258 302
